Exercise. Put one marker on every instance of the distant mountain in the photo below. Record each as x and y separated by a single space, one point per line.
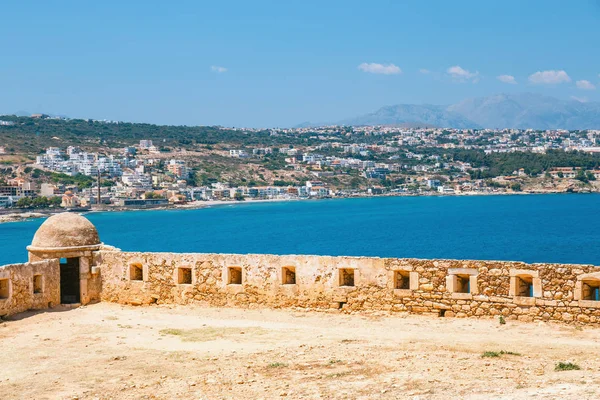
524 110
529 110
402 114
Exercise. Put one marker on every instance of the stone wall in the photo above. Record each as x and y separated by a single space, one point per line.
89 281
449 288
33 285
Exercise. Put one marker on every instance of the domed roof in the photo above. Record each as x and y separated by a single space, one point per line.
65 230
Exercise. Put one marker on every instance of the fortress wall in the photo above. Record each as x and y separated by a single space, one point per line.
33 285
450 288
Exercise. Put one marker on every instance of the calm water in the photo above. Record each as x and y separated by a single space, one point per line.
531 228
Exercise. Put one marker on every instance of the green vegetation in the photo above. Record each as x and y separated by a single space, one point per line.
568 366
501 320
277 365
494 354
534 164
208 333
153 195
584 176
38 202
30 135
81 181
490 354
238 196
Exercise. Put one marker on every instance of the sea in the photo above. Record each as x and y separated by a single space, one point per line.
553 228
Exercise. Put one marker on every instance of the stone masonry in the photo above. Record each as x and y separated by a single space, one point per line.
444 288
449 288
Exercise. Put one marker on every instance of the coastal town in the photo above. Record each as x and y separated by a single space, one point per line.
288 164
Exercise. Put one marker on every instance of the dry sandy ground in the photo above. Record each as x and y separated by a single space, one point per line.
106 351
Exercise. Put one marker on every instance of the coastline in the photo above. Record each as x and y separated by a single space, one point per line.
200 204
24 216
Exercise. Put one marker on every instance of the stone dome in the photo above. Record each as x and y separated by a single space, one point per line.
65 230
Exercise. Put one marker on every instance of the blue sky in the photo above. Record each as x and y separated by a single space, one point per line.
279 63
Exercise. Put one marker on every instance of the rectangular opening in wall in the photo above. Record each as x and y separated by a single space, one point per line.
524 286
184 276
288 275
136 272
463 284
4 289
37 284
234 275
590 290
70 281
401 280
346 277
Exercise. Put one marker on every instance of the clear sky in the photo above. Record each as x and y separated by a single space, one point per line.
279 63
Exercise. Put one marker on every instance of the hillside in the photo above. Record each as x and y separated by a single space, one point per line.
30 135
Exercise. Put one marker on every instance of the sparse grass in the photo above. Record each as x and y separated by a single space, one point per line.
334 361
277 365
492 354
501 320
568 366
338 374
211 333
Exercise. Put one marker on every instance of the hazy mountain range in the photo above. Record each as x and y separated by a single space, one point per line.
525 110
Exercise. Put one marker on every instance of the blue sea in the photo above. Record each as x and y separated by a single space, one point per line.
531 228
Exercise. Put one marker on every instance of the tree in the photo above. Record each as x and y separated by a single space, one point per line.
355 183
24 202
238 196
152 195
590 176
581 176
40 202
55 201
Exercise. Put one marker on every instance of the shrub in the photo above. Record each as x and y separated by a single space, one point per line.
568 366
277 365
490 354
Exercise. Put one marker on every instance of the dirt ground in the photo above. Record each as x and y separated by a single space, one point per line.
108 351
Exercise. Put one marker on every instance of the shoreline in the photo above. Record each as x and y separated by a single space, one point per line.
200 204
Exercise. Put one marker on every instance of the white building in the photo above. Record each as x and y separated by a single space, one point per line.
238 153
137 181
146 144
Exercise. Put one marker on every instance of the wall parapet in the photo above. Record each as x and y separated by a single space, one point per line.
459 288
29 286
